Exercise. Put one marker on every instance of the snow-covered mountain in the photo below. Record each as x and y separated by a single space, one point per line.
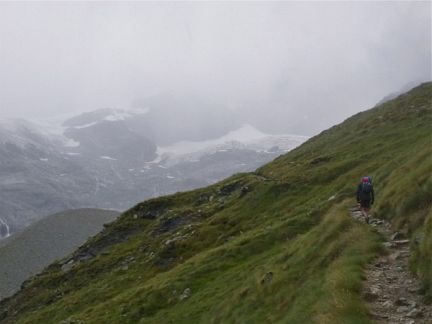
35 177
99 160
245 138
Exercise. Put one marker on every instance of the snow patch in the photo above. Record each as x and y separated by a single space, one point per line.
119 114
85 125
246 133
69 142
5 230
104 157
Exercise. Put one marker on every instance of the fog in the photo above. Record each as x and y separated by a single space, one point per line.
292 67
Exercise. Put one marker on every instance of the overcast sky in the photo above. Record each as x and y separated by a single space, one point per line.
276 62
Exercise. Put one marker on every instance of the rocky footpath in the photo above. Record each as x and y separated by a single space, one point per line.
391 291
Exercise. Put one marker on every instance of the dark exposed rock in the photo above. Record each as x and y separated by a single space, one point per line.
169 225
147 214
164 263
101 246
244 190
267 278
151 209
229 188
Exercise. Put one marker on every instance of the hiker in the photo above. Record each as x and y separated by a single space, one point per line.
365 196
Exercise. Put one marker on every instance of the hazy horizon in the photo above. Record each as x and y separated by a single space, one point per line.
284 67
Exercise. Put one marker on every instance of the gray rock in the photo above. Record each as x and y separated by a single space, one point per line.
413 290
395 256
402 301
414 313
67 266
397 236
186 294
401 242
388 245
387 304
267 278
402 309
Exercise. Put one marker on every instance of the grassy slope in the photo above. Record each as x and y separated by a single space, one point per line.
29 251
285 250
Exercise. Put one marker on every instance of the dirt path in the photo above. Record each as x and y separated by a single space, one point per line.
391 290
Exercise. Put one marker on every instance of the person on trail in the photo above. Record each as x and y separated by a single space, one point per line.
365 196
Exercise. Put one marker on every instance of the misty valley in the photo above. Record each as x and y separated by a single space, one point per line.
113 159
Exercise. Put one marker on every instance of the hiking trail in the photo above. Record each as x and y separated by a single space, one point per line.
391 291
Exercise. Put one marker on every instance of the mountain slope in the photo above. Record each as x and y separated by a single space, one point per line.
98 160
35 179
277 245
28 252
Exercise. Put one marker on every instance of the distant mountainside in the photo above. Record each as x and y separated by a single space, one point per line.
29 251
277 245
129 167
35 178
104 159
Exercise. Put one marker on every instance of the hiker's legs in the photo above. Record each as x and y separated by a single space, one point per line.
364 207
365 211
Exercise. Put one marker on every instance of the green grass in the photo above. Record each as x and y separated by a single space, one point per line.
292 222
